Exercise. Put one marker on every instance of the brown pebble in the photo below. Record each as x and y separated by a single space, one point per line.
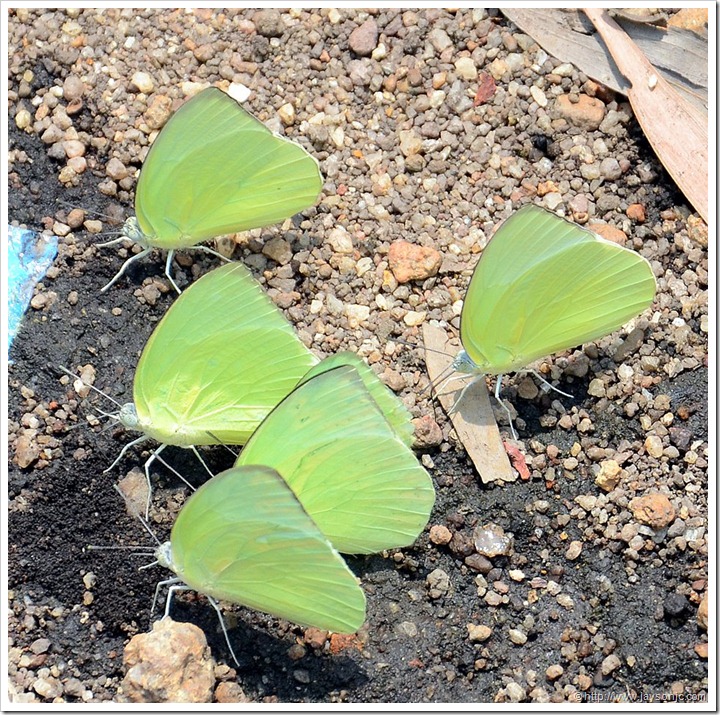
609 233
43 300
427 432
702 614
315 637
230 692
587 113
440 534
655 510
479 563
172 663
609 475
409 262
363 39
26 451
478 634
636 212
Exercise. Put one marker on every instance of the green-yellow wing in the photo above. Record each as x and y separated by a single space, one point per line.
360 483
220 359
244 537
215 169
543 285
390 404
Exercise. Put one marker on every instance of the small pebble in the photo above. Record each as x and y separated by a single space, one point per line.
655 510
478 633
554 672
517 636
440 534
610 664
573 550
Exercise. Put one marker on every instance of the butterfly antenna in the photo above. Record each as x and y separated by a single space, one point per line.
92 387
417 345
135 550
94 212
551 387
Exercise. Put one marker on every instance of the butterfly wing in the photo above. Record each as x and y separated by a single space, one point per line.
362 486
220 359
543 285
244 537
391 406
215 169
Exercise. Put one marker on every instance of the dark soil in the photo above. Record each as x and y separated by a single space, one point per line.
413 648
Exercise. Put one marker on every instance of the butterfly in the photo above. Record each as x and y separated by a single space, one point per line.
215 169
216 364
542 285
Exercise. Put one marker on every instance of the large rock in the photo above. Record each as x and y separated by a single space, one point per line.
587 113
409 262
171 664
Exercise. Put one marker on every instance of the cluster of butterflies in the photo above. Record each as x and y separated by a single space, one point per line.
327 464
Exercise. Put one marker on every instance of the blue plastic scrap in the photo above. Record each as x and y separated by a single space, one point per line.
30 254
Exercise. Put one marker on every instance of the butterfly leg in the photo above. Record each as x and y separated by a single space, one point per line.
156 455
498 386
201 460
212 252
439 382
552 387
220 442
167 582
457 402
224 628
168 264
173 470
139 440
124 266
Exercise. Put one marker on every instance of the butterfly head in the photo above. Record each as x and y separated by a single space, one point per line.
465 364
164 556
131 229
128 417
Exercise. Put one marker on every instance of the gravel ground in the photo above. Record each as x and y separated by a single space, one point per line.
598 593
